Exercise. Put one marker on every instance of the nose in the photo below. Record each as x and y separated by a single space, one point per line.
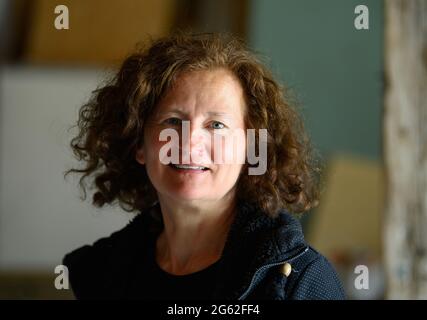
195 141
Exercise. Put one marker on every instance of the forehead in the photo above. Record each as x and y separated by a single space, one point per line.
211 90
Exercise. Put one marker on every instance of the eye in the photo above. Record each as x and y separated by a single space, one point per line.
173 121
218 125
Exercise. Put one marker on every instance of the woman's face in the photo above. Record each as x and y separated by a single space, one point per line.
213 103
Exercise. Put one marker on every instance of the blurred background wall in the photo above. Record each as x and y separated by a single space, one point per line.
47 74
335 69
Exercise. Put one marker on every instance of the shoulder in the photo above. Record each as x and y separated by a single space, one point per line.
88 265
314 278
105 245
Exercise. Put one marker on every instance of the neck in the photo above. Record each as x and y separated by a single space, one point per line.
194 234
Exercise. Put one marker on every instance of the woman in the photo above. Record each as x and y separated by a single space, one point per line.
207 228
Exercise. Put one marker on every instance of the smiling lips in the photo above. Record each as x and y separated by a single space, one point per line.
189 168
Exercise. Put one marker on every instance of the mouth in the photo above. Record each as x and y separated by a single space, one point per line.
188 168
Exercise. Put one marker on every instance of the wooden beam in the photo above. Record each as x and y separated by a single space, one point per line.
405 149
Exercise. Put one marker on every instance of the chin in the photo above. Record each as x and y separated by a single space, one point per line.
190 193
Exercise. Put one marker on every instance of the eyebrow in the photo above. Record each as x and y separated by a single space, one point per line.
216 113
210 113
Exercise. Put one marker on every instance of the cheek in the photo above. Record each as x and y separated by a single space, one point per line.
233 150
152 147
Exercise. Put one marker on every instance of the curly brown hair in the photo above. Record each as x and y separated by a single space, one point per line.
111 125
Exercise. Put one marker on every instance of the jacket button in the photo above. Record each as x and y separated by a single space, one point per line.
286 269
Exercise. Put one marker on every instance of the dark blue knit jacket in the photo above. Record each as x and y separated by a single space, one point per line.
257 246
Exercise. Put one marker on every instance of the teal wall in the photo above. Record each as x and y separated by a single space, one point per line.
335 69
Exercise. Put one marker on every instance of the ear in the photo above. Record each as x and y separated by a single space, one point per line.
139 157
